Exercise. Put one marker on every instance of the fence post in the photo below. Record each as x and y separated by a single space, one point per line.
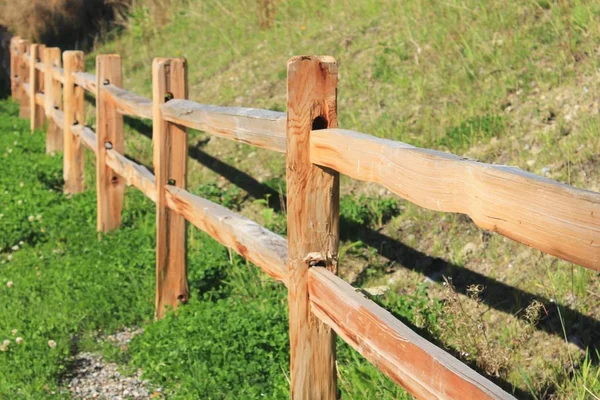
313 222
52 100
73 115
24 111
169 142
109 132
14 70
36 83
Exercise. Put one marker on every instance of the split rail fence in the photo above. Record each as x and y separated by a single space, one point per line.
555 218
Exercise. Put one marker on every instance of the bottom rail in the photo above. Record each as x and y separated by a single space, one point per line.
249 239
422 368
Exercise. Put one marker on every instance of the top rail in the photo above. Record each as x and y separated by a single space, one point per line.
86 81
58 74
556 218
129 103
260 128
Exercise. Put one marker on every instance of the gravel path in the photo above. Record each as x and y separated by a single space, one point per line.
92 377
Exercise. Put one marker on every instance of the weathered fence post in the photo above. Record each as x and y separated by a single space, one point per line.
109 131
52 100
73 115
24 111
14 70
36 84
313 222
169 142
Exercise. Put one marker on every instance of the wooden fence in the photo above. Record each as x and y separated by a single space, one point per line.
555 218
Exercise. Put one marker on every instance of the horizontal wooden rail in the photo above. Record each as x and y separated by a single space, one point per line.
27 88
58 74
260 128
40 66
129 103
59 118
552 217
39 99
133 173
86 81
126 102
425 370
255 243
87 135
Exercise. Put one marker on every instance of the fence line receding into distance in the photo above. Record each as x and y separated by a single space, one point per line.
555 218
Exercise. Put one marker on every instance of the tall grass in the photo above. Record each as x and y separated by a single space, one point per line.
65 23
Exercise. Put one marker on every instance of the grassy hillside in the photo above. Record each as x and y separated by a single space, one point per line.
504 82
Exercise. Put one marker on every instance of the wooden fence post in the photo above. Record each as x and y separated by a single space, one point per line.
313 222
52 99
36 83
73 115
23 46
14 70
169 142
109 132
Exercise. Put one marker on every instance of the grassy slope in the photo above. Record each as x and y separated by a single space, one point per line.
504 82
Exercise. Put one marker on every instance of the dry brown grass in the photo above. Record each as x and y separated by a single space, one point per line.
471 330
69 23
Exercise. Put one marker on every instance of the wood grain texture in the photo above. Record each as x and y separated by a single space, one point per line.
58 117
52 100
87 137
555 218
133 173
260 128
37 114
73 115
58 74
110 187
14 70
86 81
128 103
313 223
23 67
257 244
169 141
425 370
